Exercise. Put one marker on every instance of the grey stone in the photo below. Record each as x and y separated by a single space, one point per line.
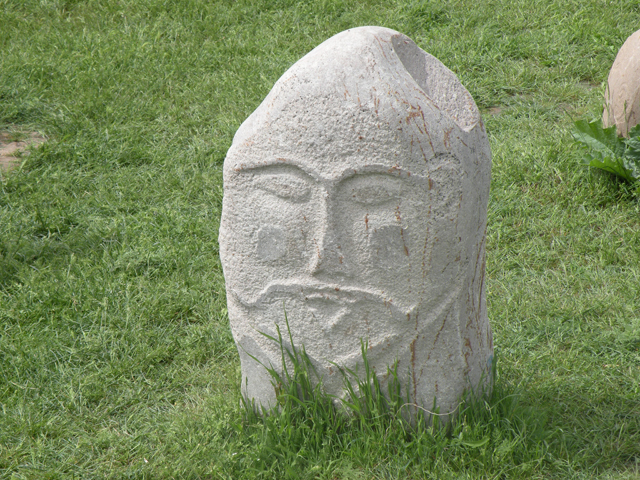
622 98
355 200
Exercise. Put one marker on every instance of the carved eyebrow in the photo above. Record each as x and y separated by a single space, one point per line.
278 163
391 171
284 185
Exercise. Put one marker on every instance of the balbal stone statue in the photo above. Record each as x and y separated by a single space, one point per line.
355 202
622 98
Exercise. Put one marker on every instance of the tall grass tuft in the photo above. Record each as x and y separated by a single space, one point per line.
309 428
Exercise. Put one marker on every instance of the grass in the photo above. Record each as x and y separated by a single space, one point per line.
309 429
116 358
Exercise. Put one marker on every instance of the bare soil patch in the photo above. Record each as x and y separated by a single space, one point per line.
14 145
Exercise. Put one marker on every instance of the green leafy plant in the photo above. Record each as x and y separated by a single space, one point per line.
605 150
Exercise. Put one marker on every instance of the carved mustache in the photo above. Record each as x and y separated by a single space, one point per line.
309 292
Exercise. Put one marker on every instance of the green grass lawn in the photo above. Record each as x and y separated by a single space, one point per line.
116 357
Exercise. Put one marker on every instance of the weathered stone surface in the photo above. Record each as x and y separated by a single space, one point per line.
622 98
355 199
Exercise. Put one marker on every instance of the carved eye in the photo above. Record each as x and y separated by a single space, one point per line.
374 189
287 187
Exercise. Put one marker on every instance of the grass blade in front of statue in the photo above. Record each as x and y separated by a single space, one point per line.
295 386
603 149
309 427
364 395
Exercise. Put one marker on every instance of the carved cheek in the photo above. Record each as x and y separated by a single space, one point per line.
271 243
389 247
285 236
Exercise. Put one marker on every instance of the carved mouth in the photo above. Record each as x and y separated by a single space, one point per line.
315 293
334 294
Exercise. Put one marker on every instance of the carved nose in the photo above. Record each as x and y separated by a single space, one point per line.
329 257
330 260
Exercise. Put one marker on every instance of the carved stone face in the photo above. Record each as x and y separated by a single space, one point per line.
355 219
347 252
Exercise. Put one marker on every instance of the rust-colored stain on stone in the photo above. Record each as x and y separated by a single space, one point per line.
10 149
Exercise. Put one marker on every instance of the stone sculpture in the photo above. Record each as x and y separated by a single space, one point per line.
622 98
355 200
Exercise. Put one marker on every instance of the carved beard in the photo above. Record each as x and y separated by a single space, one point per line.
331 322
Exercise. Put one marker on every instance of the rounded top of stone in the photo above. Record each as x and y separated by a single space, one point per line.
373 67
